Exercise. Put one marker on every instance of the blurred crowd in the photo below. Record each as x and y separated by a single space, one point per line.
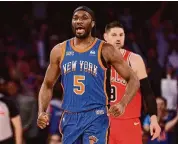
24 54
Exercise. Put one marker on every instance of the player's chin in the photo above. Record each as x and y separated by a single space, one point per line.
81 36
118 46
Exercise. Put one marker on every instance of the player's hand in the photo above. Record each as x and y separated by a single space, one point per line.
117 109
155 129
43 120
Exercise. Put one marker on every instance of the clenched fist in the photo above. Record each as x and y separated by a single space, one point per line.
43 120
117 109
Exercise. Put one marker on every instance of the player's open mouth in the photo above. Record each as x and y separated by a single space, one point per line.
80 30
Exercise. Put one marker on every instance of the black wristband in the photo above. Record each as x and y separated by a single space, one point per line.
148 96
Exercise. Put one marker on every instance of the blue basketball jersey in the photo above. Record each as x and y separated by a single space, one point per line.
83 77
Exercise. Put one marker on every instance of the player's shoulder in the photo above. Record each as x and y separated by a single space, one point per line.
106 46
136 61
58 50
107 49
135 57
59 47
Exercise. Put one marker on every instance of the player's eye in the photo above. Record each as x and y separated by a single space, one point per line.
85 18
80 18
75 18
114 34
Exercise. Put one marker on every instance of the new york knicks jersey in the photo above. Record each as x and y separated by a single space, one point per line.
83 77
118 89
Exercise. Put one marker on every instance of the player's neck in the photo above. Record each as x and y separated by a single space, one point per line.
122 50
83 42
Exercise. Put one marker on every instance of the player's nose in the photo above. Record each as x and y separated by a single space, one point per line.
79 21
118 41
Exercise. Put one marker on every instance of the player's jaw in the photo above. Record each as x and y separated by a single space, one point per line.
118 45
81 32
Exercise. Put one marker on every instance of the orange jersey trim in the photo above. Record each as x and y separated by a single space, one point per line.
99 55
80 50
63 47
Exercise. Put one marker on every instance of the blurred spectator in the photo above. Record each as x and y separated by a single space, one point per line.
127 19
40 10
156 17
169 91
133 44
42 48
41 51
162 45
167 122
28 110
173 59
10 67
27 78
9 114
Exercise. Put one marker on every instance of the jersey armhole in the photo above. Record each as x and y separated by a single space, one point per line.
128 59
63 47
101 59
107 69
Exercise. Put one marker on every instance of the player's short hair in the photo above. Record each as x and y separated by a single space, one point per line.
113 24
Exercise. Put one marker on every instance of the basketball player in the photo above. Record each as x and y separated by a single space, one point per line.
126 129
82 62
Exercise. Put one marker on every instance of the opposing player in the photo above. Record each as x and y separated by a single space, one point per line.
83 63
126 129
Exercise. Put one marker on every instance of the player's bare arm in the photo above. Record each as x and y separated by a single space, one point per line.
114 58
45 94
138 66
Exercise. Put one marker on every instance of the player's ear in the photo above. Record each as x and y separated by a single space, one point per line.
105 36
93 24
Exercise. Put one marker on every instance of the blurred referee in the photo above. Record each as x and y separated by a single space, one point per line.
10 122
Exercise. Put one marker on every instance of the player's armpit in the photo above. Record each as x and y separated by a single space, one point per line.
52 73
114 57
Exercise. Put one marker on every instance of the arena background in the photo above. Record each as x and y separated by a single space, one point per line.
29 30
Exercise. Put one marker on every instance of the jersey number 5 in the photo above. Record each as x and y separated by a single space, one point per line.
80 87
